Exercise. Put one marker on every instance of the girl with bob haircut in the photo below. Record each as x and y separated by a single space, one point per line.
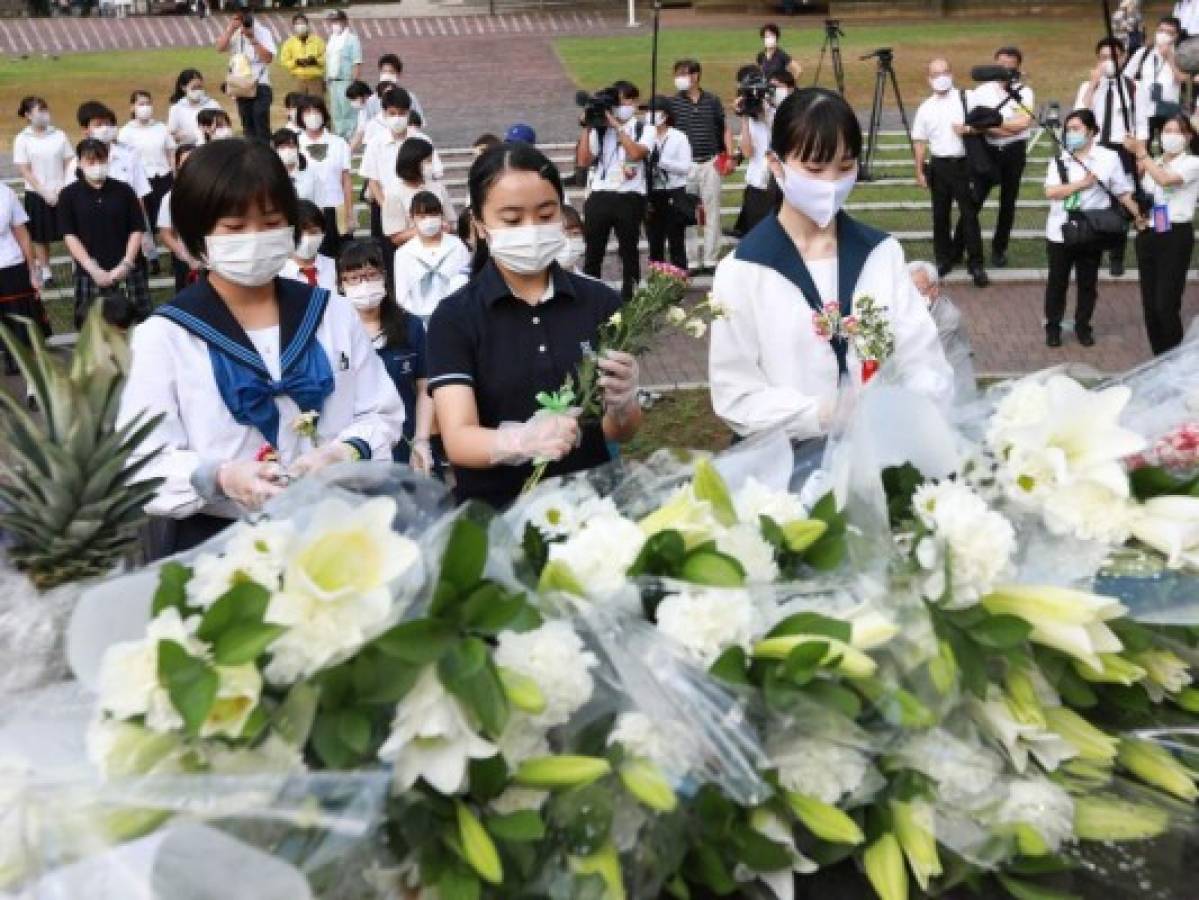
414 172
234 360
519 327
769 367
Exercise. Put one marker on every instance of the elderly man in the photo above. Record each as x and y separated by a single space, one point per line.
948 319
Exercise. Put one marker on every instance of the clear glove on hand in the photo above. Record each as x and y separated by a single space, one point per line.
421 456
618 381
546 437
250 483
319 457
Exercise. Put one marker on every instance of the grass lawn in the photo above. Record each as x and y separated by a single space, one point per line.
680 419
1059 53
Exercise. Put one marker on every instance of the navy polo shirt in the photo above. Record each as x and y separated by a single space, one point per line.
508 351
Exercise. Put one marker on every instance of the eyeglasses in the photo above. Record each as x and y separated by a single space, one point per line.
362 277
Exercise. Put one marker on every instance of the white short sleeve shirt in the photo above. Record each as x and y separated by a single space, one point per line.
328 158
153 143
1108 170
47 154
11 214
612 170
935 121
1178 198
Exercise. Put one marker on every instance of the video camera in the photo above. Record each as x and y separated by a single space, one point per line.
597 106
752 91
884 55
832 28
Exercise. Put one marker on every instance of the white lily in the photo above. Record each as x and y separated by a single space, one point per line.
1019 739
782 882
1067 620
431 739
238 690
1170 525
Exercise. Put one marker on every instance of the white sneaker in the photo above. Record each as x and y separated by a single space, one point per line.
47 276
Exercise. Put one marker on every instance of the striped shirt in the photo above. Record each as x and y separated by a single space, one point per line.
703 123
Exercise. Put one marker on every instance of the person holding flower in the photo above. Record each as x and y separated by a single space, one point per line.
518 330
813 301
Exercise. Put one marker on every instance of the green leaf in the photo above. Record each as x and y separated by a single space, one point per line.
582 818
468 673
419 642
1026 890
172 587
731 666
757 851
537 551
392 681
293 720
522 826
459 883
813 623
327 742
465 555
834 696
488 777
801 663
828 552
489 610
712 569
1001 632
245 602
662 554
1148 482
900 484
710 486
191 684
354 730
705 866
244 643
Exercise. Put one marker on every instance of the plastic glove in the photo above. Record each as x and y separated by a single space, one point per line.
618 381
250 483
546 437
320 457
421 456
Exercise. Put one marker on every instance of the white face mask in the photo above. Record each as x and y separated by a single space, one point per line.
526 249
301 28
143 112
1174 143
572 252
625 112
40 118
1109 69
770 41
816 198
221 133
105 133
358 104
942 83
195 95
655 119
336 28
289 155
95 172
781 94
426 170
367 295
250 259
682 82
309 246
1163 39
397 124
428 226
389 77
314 121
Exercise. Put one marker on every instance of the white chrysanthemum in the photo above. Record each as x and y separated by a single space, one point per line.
821 769
755 500
554 514
746 545
600 553
661 741
555 658
1040 804
255 553
1091 512
961 769
522 740
980 542
518 799
705 623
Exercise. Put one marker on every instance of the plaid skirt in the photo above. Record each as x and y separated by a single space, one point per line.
134 288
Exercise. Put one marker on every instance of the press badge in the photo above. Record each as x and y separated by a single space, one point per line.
343 363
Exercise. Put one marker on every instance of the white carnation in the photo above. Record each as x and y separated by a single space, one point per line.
663 742
980 542
600 553
755 500
555 658
255 553
821 769
1040 804
707 622
961 769
746 545
1091 512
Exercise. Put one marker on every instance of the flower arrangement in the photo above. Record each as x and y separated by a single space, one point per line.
866 329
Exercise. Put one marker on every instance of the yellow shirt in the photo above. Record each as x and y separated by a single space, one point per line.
297 48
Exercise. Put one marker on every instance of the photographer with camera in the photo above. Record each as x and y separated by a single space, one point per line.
1159 80
614 146
773 59
671 209
937 141
755 109
251 49
303 55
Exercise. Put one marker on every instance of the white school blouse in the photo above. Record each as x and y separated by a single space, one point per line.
171 375
767 366
414 260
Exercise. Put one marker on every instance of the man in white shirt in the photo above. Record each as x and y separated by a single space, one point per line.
1112 98
1187 14
615 153
382 139
937 139
1159 81
343 66
1008 146
248 41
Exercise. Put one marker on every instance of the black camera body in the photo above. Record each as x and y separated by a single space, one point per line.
752 92
597 106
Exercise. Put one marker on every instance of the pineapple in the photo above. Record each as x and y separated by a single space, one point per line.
70 504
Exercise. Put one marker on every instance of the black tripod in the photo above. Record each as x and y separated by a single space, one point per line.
832 46
886 72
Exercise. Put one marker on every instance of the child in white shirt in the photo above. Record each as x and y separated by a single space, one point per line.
429 268
308 264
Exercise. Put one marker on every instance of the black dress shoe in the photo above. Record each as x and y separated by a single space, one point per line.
1117 268
1086 336
980 277
1053 337
999 260
944 270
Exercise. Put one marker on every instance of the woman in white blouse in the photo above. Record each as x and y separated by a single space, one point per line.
187 101
328 156
42 154
1164 248
769 366
670 160
413 173
1085 176
303 177
235 360
154 145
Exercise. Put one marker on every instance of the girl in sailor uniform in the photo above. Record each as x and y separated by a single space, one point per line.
770 364
236 360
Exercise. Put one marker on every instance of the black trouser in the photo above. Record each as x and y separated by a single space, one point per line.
1118 244
160 185
1007 169
605 212
663 225
756 205
1163 260
255 113
951 183
331 245
1084 260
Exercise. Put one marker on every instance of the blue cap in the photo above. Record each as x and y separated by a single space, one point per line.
522 133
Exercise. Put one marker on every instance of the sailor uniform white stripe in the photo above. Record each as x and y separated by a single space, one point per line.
451 377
